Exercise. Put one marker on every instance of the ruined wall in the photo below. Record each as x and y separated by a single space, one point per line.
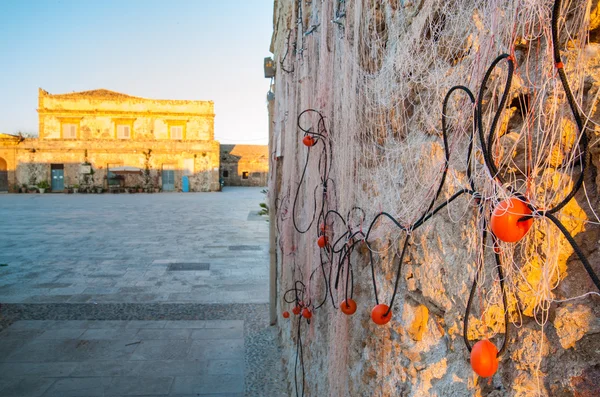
244 165
378 73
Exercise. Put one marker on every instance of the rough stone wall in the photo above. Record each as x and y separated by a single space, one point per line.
345 59
251 161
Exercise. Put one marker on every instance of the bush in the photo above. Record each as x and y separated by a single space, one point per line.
43 185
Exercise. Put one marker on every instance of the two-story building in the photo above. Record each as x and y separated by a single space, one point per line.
101 138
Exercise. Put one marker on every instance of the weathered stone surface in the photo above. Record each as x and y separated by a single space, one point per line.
377 72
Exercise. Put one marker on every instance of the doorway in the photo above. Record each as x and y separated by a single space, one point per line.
58 177
168 178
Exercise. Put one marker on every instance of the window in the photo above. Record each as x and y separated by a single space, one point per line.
123 131
245 175
69 127
177 132
176 129
225 174
124 128
69 131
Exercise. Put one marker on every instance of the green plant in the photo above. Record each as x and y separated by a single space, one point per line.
75 186
43 185
264 208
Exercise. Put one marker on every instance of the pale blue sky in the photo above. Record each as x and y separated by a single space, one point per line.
170 49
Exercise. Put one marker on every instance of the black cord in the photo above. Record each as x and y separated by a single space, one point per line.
474 288
487 147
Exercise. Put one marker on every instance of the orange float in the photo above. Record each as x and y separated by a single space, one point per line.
286 314
322 241
506 223
309 141
348 307
484 358
306 313
378 314
296 310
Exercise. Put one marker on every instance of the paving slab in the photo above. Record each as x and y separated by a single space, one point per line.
76 387
137 385
208 384
162 350
27 387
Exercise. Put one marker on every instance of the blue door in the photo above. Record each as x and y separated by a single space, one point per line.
185 184
58 180
168 180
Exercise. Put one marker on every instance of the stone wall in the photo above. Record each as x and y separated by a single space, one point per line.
30 161
244 165
378 73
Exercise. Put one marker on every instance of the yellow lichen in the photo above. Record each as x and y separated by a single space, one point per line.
419 323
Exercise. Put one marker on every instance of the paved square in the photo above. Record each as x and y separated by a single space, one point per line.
137 248
136 295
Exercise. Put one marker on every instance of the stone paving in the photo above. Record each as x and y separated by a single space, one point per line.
121 295
110 358
120 248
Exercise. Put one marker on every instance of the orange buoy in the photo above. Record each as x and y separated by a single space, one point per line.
378 314
309 141
484 358
286 314
306 313
322 241
506 223
348 306
296 310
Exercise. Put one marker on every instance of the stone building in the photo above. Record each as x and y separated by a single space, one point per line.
244 165
153 144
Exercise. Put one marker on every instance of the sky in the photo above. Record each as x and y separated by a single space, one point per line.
170 49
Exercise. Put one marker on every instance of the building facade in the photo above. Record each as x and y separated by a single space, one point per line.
244 165
105 139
